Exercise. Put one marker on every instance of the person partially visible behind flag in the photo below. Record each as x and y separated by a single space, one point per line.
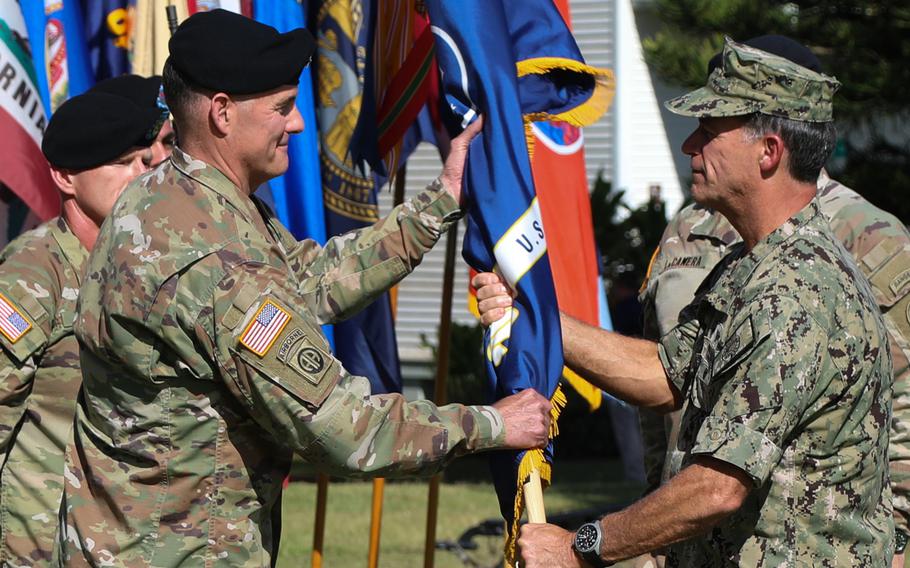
514 61
23 169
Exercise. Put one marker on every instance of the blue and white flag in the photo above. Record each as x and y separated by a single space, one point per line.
514 61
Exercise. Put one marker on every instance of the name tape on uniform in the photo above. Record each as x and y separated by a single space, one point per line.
265 328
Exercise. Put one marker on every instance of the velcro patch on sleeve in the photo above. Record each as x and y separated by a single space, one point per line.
13 323
265 328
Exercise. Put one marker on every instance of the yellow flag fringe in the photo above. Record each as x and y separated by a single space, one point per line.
533 459
584 114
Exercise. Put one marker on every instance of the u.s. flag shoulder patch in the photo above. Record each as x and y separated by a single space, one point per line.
265 328
13 323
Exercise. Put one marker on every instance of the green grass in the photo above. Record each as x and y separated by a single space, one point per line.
462 503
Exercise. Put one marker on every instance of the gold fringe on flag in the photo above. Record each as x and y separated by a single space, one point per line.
584 114
532 460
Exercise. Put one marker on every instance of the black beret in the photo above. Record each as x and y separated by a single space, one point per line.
143 91
781 46
223 51
95 128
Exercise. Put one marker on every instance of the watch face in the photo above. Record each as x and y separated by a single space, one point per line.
585 538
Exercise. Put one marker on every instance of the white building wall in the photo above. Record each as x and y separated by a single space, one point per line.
643 157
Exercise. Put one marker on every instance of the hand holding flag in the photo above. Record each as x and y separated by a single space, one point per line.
453 169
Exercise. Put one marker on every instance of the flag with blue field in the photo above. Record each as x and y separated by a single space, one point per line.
514 62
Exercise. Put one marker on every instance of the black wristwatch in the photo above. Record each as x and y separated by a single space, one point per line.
587 544
900 541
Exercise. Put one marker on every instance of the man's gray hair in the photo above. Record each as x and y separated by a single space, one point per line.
810 144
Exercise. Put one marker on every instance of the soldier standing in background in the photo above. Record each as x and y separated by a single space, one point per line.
96 143
204 364
697 238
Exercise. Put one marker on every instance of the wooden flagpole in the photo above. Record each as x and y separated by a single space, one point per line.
442 375
322 493
379 483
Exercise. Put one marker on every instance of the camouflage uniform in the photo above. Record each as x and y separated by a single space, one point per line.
783 365
786 374
39 280
205 368
695 241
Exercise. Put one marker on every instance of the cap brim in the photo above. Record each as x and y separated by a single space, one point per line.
705 102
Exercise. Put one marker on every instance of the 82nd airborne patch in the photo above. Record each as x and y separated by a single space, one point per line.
13 323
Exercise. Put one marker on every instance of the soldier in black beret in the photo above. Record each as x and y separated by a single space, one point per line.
96 143
206 311
147 93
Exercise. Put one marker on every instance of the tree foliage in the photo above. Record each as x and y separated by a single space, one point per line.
865 44
626 237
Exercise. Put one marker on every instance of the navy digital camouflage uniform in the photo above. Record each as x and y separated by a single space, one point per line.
697 238
40 274
784 364
205 368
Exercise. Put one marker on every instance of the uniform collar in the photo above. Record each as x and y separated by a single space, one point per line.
212 178
713 225
825 184
740 267
73 249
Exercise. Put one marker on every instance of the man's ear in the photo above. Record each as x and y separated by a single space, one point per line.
772 154
64 180
222 113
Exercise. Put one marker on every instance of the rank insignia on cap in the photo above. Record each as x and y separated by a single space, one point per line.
265 328
13 323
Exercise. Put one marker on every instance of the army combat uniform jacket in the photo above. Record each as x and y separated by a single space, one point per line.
697 239
205 368
40 273
785 371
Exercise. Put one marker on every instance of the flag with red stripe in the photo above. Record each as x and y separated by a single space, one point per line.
23 168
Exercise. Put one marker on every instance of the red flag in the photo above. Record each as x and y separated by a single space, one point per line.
23 168
558 167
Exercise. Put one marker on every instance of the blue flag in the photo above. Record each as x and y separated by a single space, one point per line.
56 31
107 28
514 61
298 193
365 343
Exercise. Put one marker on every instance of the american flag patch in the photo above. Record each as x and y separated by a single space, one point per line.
265 328
12 323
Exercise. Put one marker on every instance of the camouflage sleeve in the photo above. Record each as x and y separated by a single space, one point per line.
676 348
652 424
887 265
352 269
22 337
897 322
275 360
760 373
